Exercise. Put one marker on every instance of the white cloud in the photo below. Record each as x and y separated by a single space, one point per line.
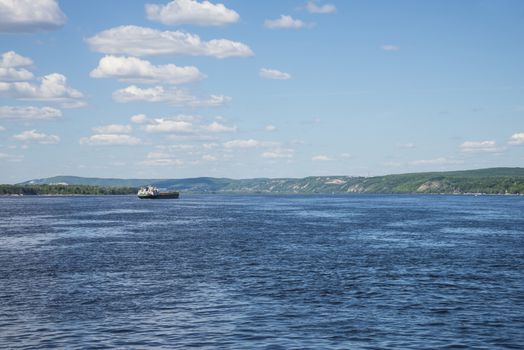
479 146
157 155
113 129
52 87
242 144
186 126
162 162
110 140
16 83
132 69
33 135
30 15
312 7
279 153
321 158
191 12
139 119
209 158
13 74
173 96
210 145
217 127
390 47
270 128
273 74
141 41
211 101
2 128
284 22
11 59
168 125
437 161
346 155
517 139
72 103
25 113
10 63
178 147
161 159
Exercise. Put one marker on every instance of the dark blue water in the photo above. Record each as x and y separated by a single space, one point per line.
246 272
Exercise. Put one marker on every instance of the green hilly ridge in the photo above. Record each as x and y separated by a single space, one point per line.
490 181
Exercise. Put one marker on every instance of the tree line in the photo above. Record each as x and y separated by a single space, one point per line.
64 190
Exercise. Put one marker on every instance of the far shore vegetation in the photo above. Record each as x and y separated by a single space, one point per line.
62 189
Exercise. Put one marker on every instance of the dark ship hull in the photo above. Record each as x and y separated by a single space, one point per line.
161 195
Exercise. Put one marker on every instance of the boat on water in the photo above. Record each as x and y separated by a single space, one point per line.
151 192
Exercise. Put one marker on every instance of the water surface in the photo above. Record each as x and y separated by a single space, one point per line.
268 272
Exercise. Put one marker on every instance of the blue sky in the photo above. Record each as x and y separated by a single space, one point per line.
186 88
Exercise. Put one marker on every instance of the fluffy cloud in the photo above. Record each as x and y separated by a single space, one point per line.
141 41
217 127
184 124
312 7
479 146
132 69
33 135
113 129
25 113
284 22
191 12
9 67
279 153
110 140
517 139
52 87
273 74
11 59
270 128
437 161
321 158
13 74
168 125
242 144
17 83
173 96
139 118
390 47
30 15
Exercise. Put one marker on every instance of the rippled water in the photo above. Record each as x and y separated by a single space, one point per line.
270 272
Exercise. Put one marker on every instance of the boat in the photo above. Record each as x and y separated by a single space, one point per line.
151 192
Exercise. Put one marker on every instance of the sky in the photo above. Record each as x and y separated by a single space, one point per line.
244 89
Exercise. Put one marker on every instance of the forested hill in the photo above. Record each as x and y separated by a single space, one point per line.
490 181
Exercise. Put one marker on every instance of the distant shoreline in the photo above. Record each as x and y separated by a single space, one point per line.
491 181
274 194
